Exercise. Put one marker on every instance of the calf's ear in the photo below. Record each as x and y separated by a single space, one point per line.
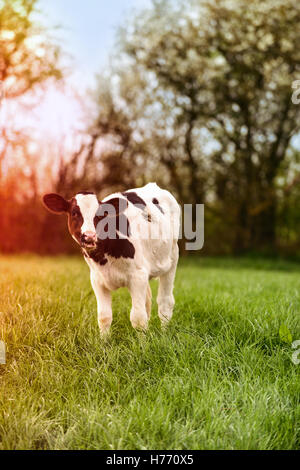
56 203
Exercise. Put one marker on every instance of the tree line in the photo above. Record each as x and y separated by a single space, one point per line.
198 98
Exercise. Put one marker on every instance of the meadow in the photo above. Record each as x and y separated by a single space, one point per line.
220 377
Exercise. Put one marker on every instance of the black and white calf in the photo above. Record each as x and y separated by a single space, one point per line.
142 245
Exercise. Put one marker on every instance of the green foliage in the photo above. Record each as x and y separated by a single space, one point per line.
204 90
27 56
219 377
285 334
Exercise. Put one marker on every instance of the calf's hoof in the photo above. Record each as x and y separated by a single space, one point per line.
140 324
165 319
104 326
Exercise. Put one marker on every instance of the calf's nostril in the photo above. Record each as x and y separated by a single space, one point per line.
88 238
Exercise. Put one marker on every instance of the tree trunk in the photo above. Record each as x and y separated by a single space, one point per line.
256 226
241 230
264 228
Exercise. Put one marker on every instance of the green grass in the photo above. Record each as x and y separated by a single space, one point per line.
220 377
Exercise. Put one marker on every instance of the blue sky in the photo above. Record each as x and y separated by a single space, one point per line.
88 29
87 33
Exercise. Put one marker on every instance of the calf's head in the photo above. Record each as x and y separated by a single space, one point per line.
81 211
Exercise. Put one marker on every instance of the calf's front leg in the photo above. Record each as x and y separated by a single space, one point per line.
104 310
138 290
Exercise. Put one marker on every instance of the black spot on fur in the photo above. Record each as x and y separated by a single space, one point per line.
97 255
114 245
121 222
156 203
97 219
147 216
118 203
123 225
86 192
135 199
75 219
118 248
138 202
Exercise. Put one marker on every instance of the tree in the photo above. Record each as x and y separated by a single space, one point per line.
28 57
223 72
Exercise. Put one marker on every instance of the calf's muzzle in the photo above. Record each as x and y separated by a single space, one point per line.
88 239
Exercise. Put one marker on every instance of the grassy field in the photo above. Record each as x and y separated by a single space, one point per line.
220 377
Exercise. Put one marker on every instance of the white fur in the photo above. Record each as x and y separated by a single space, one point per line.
153 257
88 205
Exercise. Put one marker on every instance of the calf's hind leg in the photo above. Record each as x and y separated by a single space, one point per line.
165 298
148 301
